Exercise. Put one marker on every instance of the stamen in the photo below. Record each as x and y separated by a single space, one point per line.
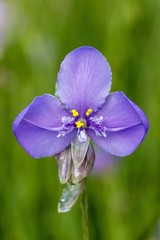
67 126
89 111
75 113
95 123
79 124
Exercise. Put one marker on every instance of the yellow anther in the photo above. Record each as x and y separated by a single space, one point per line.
79 124
89 111
74 113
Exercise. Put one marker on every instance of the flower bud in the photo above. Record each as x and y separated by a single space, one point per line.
70 194
64 165
79 150
79 173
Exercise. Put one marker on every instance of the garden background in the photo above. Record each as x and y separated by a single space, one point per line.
35 36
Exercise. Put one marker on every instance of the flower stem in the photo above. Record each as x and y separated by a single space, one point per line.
85 217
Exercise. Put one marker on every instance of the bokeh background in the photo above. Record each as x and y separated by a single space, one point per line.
35 36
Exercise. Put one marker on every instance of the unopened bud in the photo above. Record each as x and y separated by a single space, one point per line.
79 150
64 165
79 173
69 196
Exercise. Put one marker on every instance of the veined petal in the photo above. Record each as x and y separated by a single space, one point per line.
118 113
120 143
126 125
39 142
142 116
36 127
84 80
45 111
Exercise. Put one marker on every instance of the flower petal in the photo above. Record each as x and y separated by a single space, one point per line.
126 125
39 142
36 127
120 143
142 116
84 79
118 113
46 112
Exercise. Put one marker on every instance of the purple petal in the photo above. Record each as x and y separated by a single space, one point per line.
36 127
118 112
125 126
84 79
120 143
142 116
103 160
46 112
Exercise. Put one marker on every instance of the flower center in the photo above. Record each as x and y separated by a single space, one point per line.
81 123
93 122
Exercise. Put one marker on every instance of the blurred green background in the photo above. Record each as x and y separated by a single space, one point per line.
35 36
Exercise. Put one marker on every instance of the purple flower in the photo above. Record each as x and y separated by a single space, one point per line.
82 110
